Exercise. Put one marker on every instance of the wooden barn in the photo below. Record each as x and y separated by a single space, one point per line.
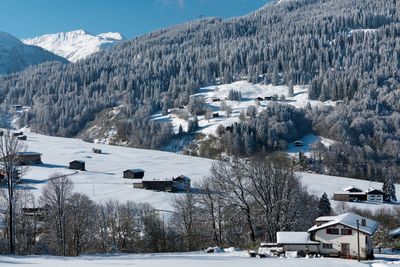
28 158
77 165
22 138
134 174
158 185
18 134
298 143
96 150
215 115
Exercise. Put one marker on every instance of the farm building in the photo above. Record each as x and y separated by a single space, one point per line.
134 174
17 107
158 185
77 165
354 194
28 158
18 134
298 143
215 115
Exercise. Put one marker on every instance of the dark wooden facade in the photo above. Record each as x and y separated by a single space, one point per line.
77 165
134 174
158 185
29 158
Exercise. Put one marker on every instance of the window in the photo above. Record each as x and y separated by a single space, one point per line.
346 232
324 245
332 231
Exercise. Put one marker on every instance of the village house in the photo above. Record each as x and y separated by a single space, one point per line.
96 150
158 185
29 158
77 165
335 236
133 174
355 194
181 183
338 235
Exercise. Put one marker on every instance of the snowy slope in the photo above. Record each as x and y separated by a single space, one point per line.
16 56
75 45
249 93
103 178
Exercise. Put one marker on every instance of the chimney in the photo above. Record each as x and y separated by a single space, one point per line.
363 222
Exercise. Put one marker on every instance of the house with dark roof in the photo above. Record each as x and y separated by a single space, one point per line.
29 158
133 174
355 194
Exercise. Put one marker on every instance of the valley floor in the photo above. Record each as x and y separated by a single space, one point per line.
236 259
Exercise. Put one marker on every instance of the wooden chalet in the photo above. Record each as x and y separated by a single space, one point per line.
134 174
181 183
77 165
259 98
158 185
29 158
18 134
354 194
17 107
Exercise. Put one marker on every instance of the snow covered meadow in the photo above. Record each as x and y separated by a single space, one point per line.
103 178
235 259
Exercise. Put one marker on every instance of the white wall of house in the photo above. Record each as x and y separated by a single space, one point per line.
375 198
323 237
181 185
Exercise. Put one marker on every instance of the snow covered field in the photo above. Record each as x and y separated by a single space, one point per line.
103 178
237 259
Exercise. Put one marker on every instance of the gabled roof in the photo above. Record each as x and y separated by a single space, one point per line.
80 161
347 219
374 191
300 238
352 188
28 154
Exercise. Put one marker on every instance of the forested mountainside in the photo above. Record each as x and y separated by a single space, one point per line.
16 56
344 50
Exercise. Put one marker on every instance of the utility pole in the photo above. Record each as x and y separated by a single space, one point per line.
358 240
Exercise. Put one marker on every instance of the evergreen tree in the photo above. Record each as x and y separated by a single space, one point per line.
324 206
389 189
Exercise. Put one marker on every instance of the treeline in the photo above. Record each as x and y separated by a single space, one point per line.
297 42
239 204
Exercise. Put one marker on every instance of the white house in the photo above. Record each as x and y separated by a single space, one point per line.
337 235
374 195
181 183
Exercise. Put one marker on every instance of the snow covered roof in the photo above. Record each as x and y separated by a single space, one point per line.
375 191
28 153
347 219
349 188
294 238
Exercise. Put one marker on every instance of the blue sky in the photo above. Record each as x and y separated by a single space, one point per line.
29 18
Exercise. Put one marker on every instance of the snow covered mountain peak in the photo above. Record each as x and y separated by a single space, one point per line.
75 45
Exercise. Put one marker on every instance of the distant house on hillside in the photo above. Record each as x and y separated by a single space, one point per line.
22 138
298 143
354 194
29 158
18 134
96 150
134 174
77 165
17 107
181 183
